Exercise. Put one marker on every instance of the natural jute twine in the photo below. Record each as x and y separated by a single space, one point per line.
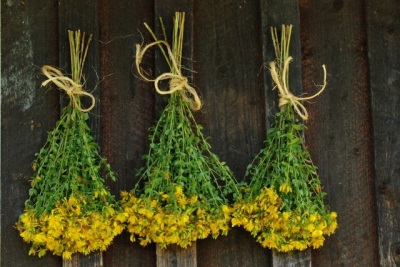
72 88
177 81
284 93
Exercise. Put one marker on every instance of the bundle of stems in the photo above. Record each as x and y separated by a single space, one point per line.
70 209
186 189
284 206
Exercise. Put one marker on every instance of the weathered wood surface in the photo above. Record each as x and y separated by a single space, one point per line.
384 58
177 256
352 132
228 63
28 112
91 260
339 132
127 110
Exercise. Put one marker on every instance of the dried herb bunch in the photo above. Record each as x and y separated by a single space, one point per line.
69 208
284 207
186 187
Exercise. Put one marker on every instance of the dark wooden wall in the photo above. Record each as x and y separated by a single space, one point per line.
353 133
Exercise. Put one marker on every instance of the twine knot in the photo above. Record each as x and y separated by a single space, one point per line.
72 89
285 96
177 82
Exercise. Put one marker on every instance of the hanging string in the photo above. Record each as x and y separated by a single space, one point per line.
284 93
72 89
177 82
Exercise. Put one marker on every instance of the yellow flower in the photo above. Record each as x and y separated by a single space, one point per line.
316 233
318 242
179 191
67 255
39 238
184 220
286 216
71 201
333 215
285 188
146 212
193 199
236 221
249 226
121 217
182 202
124 194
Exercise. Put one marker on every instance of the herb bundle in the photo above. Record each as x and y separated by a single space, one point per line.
283 208
186 187
69 208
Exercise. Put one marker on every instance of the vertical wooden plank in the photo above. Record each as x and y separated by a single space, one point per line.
175 255
127 110
29 39
91 260
82 15
384 57
0 130
275 13
228 63
339 129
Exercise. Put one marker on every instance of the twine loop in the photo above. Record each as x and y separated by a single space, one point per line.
285 96
72 89
177 82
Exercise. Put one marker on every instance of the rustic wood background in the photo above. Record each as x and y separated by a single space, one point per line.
353 133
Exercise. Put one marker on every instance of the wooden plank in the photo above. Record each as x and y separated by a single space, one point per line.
28 34
384 58
91 260
175 255
82 15
228 63
127 110
291 259
275 13
339 132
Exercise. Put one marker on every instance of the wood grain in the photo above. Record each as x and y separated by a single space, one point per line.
275 13
177 256
384 59
127 110
29 39
339 130
352 132
228 63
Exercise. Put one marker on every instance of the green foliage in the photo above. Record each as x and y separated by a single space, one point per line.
285 165
69 163
180 155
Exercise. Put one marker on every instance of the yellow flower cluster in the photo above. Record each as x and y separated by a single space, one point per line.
173 219
282 230
68 228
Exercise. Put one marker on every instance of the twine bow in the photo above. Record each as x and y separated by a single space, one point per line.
177 82
72 88
284 93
